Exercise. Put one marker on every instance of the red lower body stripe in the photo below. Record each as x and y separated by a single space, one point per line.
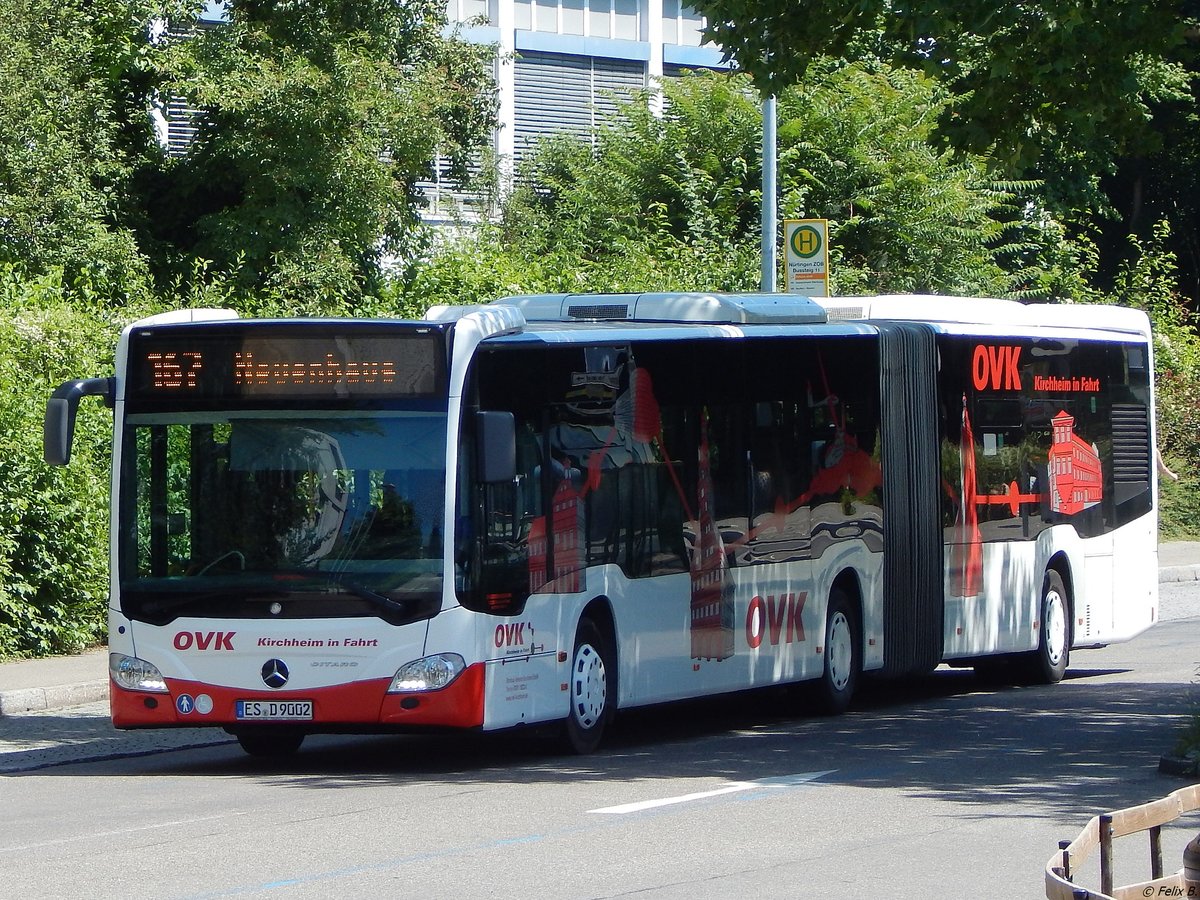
192 704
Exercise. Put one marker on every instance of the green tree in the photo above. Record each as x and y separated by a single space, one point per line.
1095 101
73 127
1074 77
858 145
1149 281
673 203
53 521
318 119
1158 179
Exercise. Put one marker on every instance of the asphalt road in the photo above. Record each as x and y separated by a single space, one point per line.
944 787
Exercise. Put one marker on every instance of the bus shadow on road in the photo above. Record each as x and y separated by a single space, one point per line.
1055 750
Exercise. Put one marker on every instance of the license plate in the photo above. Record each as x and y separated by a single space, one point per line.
275 710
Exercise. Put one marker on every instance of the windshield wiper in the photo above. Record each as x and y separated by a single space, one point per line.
379 601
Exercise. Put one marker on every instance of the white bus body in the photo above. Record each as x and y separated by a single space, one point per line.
552 507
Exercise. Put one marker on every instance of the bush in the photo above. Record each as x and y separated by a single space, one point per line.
673 202
1150 282
53 521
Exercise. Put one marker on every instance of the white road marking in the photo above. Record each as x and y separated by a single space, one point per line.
732 787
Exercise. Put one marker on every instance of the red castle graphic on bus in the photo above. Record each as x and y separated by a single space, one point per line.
1073 467
1076 483
567 527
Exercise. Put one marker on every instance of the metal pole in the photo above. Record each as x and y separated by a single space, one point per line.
1106 854
769 278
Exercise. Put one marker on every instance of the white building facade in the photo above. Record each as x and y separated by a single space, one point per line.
560 61
562 65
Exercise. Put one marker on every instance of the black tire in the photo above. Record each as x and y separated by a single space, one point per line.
1048 663
592 687
273 744
842 657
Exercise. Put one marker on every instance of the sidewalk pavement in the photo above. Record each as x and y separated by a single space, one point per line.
60 681
43 684
1177 561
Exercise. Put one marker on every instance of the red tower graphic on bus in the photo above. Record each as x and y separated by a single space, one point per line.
712 595
1076 483
1073 468
567 528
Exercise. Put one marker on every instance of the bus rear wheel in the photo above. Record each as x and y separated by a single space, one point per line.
270 743
592 687
841 659
1048 663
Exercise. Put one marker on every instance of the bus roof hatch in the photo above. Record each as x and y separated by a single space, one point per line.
714 308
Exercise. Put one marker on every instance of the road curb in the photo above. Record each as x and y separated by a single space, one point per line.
1169 574
43 698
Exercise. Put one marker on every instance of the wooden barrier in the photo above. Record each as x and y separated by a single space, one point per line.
1099 833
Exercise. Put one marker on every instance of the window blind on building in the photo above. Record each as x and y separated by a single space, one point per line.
558 93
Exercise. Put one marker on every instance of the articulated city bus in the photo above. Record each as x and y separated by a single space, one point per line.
553 507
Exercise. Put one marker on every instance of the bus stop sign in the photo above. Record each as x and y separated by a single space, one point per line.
807 257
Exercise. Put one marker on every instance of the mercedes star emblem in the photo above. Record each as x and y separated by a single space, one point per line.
274 673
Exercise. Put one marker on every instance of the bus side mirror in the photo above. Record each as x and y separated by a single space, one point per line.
496 436
58 431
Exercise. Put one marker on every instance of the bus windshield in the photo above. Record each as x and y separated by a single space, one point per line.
282 514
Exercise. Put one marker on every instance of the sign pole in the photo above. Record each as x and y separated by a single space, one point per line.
769 279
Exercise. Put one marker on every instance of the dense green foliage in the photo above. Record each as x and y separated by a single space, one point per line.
1095 101
68 146
318 120
1050 75
673 202
53 521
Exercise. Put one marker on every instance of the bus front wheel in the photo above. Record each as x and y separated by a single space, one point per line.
270 743
592 687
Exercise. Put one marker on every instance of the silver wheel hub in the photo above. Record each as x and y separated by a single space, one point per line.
1055 613
840 650
589 687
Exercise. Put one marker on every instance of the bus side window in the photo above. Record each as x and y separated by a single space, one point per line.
676 488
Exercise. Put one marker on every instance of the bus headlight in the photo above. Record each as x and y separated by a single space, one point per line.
135 674
429 674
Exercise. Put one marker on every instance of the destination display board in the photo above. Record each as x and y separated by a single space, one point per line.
258 364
